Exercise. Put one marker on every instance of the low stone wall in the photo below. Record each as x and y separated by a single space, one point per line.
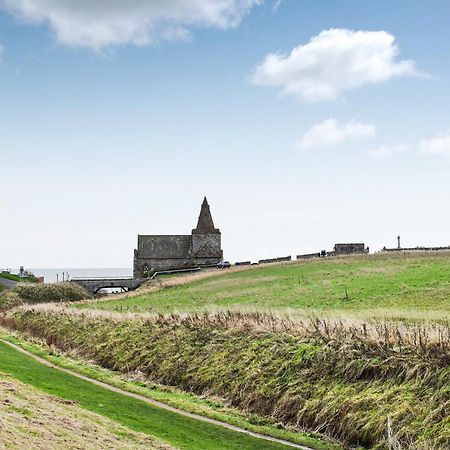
416 249
309 256
275 260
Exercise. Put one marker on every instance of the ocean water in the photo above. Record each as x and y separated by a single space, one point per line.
52 275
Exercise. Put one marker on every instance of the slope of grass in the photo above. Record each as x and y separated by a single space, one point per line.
182 432
31 419
214 408
405 285
344 383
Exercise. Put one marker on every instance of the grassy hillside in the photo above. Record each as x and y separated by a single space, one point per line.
401 286
346 381
32 419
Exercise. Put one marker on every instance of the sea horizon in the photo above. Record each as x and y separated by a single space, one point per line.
54 274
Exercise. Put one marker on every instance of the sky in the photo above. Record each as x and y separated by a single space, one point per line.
304 122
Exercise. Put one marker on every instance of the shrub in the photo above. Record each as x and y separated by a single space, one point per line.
43 293
9 300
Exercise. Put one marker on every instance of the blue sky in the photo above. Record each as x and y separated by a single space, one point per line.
115 122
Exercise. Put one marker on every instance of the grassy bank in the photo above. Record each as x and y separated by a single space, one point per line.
182 432
135 382
32 419
402 286
342 380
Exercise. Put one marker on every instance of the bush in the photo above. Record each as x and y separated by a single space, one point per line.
9 300
43 293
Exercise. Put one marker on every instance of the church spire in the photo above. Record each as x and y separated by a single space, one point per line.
205 221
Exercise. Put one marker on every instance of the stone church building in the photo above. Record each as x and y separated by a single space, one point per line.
166 252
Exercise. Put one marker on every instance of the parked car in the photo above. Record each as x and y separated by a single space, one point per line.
223 265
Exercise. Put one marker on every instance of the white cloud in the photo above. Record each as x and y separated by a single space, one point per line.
277 4
329 134
99 24
435 146
439 145
335 61
386 151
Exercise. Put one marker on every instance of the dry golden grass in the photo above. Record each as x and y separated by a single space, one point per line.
421 336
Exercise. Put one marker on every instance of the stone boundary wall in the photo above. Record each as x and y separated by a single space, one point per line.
310 256
416 249
275 260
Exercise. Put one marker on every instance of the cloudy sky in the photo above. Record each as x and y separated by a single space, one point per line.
305 122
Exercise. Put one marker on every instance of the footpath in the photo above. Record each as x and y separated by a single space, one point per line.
270 441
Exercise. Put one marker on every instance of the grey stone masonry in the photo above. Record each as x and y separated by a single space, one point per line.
350 249
168 252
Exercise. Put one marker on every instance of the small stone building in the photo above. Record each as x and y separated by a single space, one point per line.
350 249
168 252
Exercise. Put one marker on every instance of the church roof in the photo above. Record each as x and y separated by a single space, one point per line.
205 222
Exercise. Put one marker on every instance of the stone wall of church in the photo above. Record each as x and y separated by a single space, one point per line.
173 252
159 264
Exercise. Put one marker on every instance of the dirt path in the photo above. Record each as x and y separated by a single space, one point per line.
155 402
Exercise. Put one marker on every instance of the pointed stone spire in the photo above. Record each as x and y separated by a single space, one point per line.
205 221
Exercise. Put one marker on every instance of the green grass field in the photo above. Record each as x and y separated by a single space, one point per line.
180 431
399 286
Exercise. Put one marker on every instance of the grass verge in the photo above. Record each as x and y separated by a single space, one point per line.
212 408
182 432
32 419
